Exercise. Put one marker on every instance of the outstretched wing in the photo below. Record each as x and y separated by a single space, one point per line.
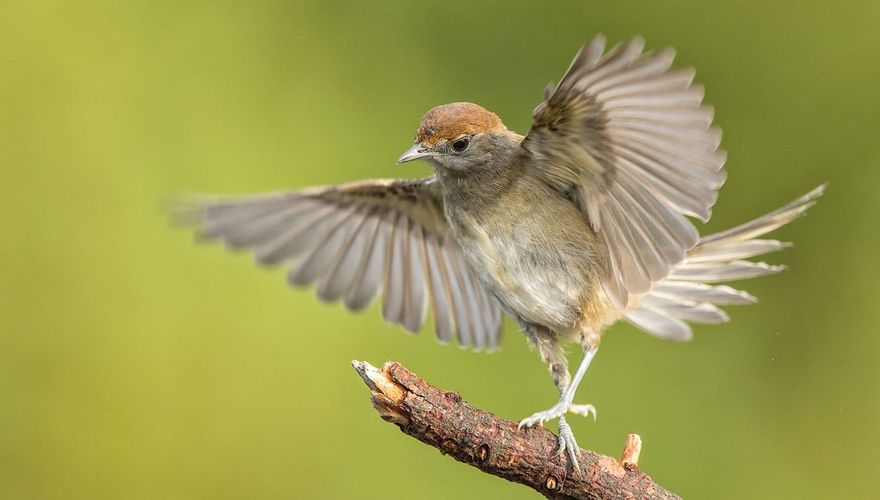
358 239
630 142
689 293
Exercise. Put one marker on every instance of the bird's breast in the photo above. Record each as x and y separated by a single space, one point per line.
538 259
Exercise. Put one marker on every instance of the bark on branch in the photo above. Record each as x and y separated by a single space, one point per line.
495 446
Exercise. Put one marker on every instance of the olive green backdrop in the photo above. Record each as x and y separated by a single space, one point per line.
136 364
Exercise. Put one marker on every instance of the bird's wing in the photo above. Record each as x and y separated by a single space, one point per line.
355 240
630 142
690 293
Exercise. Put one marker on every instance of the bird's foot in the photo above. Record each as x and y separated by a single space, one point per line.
583 410
557 411
568 443
566 440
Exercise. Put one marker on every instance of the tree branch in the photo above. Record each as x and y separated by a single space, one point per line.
495 446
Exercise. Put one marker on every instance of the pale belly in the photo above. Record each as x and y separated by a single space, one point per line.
541 265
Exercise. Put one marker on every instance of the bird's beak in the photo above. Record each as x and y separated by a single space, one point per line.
414 153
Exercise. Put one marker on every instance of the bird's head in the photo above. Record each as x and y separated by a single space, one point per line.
459 137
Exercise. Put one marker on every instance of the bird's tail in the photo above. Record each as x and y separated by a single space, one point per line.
686 294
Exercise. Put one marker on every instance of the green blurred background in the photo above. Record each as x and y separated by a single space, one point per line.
135 364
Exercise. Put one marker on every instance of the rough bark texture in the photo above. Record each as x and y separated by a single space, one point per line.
495 446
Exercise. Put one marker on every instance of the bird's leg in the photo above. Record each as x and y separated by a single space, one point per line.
585 409
566 385
551 353
567 388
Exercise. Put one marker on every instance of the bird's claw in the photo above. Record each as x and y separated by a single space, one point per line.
568 443
558 411
566 440
540 417
583 410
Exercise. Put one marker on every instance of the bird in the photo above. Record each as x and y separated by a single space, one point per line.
587 220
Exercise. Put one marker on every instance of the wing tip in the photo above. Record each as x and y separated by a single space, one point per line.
599 40
816 192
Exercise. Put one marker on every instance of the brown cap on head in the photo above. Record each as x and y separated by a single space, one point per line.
452 120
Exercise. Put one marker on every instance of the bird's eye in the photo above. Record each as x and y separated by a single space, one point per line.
461 144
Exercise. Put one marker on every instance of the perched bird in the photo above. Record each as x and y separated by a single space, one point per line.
578 224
